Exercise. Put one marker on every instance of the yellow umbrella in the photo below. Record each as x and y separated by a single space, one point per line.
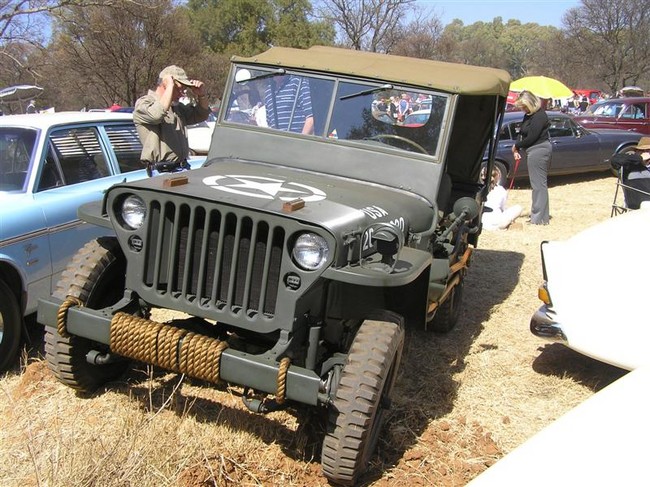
542 86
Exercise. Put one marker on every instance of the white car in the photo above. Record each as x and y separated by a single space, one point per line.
595 291
199 135
598 443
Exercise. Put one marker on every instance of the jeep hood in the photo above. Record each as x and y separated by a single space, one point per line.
336 203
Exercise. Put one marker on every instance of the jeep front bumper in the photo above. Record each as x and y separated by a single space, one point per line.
259 372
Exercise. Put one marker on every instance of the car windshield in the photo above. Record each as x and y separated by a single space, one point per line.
338 109
16 149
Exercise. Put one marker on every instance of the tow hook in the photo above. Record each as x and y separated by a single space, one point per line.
95 357
260 406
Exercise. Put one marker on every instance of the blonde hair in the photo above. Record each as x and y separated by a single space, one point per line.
528 100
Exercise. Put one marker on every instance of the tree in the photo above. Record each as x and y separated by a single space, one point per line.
247 27
293 25
368 25
114 53
611 38
420 39
23 24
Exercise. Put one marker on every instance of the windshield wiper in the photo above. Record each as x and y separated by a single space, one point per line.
275 72
368 91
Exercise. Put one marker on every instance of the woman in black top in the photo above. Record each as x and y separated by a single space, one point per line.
533 140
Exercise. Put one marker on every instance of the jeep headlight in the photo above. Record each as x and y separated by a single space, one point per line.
134 212
387 242
310 251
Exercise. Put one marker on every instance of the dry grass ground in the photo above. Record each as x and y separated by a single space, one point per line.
463 400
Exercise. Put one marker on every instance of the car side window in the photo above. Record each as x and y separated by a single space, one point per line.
504 134
80 154
559 127
634 111
126 146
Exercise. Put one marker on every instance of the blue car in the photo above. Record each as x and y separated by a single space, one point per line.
49 165
576 149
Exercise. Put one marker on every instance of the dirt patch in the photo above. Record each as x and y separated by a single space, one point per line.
34 380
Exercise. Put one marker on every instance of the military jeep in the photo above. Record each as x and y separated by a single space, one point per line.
339 203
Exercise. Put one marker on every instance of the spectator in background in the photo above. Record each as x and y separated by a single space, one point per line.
636 173
583 105
403 108
288 104
534 142
392 107
161 120
114 107
31 108
497 216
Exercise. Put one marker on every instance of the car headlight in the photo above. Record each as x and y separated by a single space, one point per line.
310 251
134 212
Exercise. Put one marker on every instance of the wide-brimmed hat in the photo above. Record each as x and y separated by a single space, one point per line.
644 144
177 73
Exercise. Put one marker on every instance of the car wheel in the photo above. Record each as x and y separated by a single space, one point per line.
10 326
446 315
362 398
95 275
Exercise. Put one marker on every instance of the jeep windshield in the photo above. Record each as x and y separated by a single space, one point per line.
389 116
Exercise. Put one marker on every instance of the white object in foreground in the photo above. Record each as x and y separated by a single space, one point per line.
598 443
597 284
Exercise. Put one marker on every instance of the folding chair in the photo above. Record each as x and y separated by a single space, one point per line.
633 184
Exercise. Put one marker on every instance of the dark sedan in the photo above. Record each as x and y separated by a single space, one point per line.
576 149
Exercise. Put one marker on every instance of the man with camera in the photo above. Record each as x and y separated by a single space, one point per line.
161 120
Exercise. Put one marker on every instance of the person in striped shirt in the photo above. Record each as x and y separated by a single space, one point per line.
288 104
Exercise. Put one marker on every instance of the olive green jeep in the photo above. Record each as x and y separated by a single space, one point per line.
339 203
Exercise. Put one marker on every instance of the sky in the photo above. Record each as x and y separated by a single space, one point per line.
546 12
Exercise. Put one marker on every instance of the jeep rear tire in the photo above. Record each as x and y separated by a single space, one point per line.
10 326
446 316
96 276
362 398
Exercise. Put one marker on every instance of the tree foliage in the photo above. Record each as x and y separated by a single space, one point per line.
114 53
368 25
611 38
96 51
420 39
23 28
247 27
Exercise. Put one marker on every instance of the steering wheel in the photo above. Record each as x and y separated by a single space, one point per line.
400 138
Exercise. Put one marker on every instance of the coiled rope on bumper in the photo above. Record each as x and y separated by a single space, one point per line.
281 393
62 314
167 346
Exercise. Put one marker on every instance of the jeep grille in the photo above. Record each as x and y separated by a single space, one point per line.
214 258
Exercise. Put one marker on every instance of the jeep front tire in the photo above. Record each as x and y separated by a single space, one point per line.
95 276
362 398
